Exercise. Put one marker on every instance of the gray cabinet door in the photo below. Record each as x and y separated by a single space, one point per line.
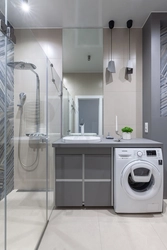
97 194
83 175
68 166
97 167
68 194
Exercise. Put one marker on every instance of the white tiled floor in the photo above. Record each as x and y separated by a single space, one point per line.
102 229
26 218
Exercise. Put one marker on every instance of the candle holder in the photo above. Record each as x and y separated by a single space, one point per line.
119 139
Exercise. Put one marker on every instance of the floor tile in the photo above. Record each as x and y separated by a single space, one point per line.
73 216
103 229
73 236
128 236
161 230
26 218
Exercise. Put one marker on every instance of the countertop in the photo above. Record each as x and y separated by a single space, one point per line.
137 142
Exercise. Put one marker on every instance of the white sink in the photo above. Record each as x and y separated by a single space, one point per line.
82 139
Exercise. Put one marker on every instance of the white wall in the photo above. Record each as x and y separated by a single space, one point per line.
84 83
123 97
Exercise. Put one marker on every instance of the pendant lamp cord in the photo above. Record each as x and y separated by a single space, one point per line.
129 44
111 44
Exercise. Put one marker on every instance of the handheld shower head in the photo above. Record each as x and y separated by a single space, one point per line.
22 97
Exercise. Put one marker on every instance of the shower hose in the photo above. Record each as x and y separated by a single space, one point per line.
34 165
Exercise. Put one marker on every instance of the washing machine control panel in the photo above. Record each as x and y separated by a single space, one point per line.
151 152
139 153
148 153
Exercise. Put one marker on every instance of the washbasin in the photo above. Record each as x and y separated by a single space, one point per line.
82 139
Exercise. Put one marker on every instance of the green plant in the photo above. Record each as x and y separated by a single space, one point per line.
127 130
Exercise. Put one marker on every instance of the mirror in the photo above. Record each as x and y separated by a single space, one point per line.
82 81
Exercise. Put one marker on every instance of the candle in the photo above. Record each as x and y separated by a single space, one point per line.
116 124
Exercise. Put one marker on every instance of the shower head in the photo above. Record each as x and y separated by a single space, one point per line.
21 65
22 97
24 66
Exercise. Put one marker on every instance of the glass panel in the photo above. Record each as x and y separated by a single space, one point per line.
66 112
82 70
53 115
33 122
141 172
27 202
140 186
2 139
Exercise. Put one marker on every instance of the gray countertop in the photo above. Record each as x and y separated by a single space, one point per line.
137 142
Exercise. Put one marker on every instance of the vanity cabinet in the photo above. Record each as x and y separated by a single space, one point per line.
83 177
68 180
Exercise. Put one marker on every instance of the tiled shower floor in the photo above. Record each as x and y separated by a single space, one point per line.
26 215
102 229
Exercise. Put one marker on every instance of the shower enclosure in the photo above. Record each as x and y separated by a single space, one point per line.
30 120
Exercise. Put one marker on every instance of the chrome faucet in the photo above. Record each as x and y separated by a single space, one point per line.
82 126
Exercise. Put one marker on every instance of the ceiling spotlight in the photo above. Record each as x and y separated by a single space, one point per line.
129 68
111 64
89 57
25 5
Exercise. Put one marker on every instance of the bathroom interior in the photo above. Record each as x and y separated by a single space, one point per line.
46 71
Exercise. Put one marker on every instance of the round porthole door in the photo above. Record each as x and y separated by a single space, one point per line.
141 180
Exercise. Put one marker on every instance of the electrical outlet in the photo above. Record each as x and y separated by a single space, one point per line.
146 127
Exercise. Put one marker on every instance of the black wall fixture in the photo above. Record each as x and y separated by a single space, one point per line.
129 68
111 63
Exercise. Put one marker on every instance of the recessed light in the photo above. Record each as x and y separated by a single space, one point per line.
25 5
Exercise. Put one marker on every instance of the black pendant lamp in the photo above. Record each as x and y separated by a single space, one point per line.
111 63
129 68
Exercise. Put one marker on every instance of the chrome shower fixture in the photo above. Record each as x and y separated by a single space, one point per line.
22 97
29 66
21 65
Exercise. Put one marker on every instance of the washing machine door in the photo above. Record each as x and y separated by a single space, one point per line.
141 180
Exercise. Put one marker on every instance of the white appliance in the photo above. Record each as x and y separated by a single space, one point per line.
138 180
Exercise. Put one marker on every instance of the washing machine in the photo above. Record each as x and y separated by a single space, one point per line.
138 180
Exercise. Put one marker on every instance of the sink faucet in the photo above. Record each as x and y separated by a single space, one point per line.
82 125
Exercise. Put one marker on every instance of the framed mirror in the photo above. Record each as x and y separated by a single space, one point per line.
82 81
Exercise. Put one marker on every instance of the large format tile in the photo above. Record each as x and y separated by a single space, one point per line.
73 216
103 229
125 110
161 230
109 216
129 236
76 235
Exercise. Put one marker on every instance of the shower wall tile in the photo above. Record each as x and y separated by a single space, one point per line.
9 121
51 42
27 48
121 104
35 46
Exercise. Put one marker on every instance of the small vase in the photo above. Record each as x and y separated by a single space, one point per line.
126 136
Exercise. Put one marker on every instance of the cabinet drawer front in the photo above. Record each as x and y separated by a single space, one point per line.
69 167
68 194
97 167
98 194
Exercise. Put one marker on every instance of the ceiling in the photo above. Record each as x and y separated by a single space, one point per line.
81 13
